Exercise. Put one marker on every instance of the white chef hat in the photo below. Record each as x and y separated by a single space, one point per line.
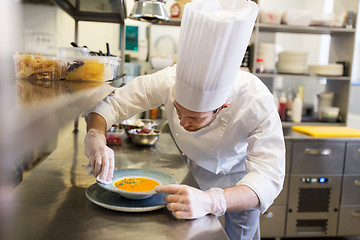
214 35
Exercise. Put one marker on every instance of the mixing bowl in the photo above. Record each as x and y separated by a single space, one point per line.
144 139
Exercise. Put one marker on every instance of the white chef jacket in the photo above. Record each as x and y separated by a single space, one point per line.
243 146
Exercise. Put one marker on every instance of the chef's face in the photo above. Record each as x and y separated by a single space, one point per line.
194 121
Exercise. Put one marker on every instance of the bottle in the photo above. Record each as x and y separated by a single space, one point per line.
297 109
301 93
260 65
282 107
289 104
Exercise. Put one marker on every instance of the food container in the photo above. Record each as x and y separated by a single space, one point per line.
36 67
91 68
114 136
270 17
329 114
73 52
141 138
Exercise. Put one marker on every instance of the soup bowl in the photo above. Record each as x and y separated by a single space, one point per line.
133 178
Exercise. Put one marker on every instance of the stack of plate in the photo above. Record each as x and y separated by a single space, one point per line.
267 52
327 70
292 62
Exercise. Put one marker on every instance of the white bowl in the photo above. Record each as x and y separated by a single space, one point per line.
160 177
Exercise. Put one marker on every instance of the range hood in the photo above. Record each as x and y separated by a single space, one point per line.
112 11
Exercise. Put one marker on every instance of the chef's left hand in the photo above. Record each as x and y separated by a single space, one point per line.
186 202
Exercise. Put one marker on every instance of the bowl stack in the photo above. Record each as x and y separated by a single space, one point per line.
267 52
292 62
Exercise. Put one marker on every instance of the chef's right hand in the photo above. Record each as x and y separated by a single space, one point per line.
101 157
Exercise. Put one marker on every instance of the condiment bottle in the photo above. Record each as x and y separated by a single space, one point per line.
282 107
297 109
289 104
260 65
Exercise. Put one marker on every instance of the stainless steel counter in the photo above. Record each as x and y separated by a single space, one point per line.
51 203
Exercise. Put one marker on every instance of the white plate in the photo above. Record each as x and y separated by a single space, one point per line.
114 201
326 70
160 177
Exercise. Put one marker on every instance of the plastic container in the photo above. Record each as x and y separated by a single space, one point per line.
36 67
92 68
329 114
270 17
115 135
73 52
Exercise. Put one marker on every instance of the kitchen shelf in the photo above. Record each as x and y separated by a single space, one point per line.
303 29
112 11
341 48
44 107
171 22
302 76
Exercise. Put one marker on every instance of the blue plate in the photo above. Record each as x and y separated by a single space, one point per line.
160 177
114 201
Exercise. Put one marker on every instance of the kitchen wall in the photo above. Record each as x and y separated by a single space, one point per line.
52 20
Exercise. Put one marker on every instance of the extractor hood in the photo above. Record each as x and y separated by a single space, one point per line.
112 11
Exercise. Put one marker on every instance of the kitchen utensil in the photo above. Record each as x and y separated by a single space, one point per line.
328 131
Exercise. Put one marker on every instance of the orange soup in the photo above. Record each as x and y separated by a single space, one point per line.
136 184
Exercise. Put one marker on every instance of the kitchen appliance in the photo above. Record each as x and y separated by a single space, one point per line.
314 199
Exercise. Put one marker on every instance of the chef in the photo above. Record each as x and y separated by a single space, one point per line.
223 120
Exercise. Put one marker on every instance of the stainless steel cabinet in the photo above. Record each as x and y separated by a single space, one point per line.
318 157
321 194
349 219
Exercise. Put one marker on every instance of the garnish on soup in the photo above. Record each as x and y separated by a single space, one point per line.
136 184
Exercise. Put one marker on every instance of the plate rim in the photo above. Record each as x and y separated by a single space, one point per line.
118 208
